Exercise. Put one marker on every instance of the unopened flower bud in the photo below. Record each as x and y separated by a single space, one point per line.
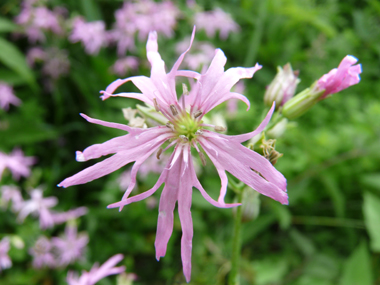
346 75
283 86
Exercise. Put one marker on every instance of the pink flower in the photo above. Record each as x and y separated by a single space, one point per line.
37 20
91 34
201 55
5 261
39 206
142 17
61 217
216 20
123 65
41 252
12 193
184 130
17 163
7 97
70 247
340 78
97 273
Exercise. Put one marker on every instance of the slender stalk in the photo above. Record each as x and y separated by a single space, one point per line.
234 277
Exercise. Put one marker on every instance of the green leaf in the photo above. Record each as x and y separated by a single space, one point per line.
270 270
335 193
15 60
371 210
304 244
7 25
91 10
357 269
372 180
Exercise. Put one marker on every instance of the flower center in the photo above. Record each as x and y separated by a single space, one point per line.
186 126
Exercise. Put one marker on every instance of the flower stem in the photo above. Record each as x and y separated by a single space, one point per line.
234 277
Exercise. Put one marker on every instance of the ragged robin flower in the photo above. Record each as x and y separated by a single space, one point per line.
183 130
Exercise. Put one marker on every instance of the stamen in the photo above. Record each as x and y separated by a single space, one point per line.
199 132
197 114
184 138
159 153
156 106
185 90
220 129
170 126
203 158
174 110
171 144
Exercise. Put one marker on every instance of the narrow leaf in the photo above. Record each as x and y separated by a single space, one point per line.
357 269
15 60
371 210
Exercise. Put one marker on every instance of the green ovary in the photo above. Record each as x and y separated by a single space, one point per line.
187 126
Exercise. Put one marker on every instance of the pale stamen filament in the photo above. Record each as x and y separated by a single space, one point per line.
156 106
159 153
201 155
169 145
185 90
216 128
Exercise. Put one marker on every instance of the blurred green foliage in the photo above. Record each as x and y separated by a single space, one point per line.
329 233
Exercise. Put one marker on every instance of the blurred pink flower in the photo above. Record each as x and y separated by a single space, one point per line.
142 17
61 217
42 253
17 163
37 20
40 207
55 62
70 247
35 54
92 35
97 273
13 194
201 54
216 20
5 261
184 130
7 96
340 78
125 64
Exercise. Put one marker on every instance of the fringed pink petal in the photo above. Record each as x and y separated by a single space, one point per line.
184 205
188 73
98 170
108 124
259 129
168 200
241 161
340 78
128 148
220 91
144 195
173 71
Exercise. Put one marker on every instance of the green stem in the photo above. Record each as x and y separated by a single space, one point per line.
258 30
234 277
